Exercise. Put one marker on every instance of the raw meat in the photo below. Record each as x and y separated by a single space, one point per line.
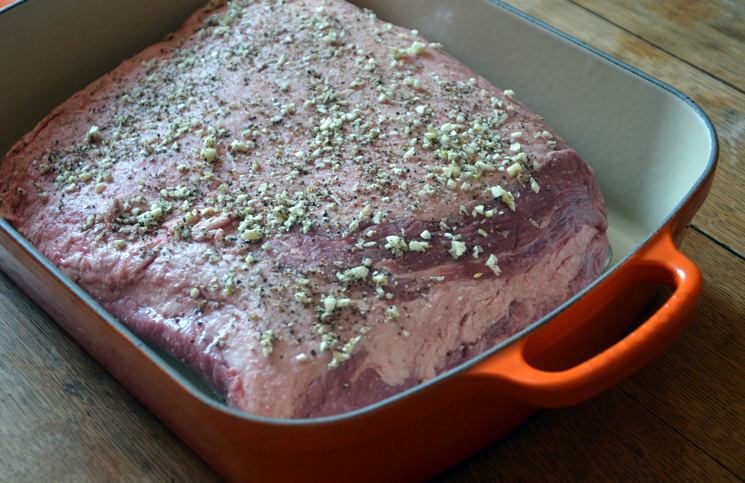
314 209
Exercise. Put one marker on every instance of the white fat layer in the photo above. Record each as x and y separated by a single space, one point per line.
463 310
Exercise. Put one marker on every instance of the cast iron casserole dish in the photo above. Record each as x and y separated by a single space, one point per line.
658 149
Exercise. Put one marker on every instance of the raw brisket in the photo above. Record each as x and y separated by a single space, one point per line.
314 209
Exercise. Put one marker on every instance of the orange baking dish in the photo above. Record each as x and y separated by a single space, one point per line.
653 152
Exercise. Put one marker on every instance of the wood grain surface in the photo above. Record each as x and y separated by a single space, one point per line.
681 418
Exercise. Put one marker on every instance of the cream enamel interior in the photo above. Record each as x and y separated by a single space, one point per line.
648 146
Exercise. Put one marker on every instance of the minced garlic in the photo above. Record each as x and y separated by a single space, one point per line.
92 135
492 264
393 312
534 186
266 342
457 248
506 196
209 154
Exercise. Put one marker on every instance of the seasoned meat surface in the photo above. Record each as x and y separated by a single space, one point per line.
314 209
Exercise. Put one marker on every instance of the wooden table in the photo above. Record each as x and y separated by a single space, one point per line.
681 418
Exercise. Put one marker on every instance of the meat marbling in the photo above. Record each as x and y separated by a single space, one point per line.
314 209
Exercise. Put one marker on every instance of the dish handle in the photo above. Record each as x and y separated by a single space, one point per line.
660 262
